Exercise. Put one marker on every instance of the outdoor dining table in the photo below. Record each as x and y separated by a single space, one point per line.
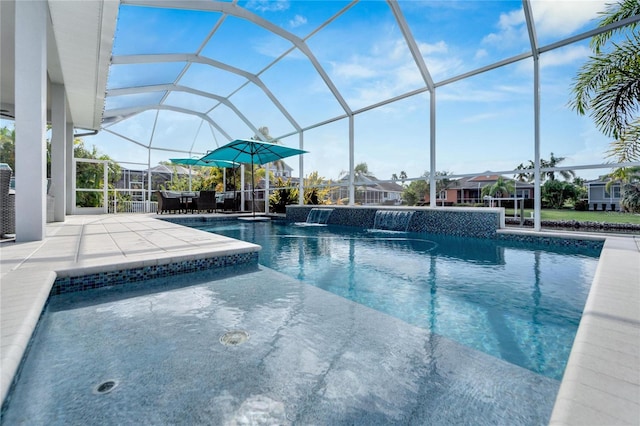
188 199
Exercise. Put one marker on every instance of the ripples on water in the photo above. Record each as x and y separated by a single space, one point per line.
521 303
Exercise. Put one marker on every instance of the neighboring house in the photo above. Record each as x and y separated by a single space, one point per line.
284 172
369 191
601 199
468 190
136 181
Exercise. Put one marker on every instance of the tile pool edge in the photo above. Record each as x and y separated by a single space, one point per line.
95 277
601 383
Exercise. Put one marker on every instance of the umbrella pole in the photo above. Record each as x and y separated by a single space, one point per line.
253 191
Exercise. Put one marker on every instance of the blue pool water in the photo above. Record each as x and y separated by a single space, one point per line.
518 302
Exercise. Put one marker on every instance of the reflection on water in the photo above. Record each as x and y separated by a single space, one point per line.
518 302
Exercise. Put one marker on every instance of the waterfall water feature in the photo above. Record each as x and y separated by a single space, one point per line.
320 216
392 220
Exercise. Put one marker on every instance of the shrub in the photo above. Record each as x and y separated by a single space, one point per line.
581 205
630 200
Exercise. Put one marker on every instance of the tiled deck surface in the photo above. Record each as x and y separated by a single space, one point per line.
601 383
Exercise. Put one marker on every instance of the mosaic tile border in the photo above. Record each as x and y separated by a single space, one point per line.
562 241
461 223
125 276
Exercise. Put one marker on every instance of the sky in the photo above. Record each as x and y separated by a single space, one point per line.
483 123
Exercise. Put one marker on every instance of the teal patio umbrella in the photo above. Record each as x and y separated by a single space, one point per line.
253 152
198 162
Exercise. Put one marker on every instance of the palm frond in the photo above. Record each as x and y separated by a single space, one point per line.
615 12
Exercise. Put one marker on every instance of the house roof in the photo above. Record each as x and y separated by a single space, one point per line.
485 180
79 45
373 182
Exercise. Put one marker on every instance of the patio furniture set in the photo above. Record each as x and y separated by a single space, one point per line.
197 202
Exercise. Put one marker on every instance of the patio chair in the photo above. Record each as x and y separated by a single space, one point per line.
206 202
7 203
231 202
168 202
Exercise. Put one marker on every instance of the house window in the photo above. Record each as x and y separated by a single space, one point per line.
614 192
522 193
442 195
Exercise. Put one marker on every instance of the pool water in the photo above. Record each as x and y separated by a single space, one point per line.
518 302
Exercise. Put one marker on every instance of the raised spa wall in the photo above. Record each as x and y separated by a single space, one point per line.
458 221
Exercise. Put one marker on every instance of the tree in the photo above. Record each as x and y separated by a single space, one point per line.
630 198
528 176
7 147
403 177
282 196
553 162
556 193
524 176
608 84
91 175
416 191
629 177
500 189
362 170
624 175
313 192
265 136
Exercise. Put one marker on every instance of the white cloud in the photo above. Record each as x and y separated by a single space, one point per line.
353 70
431 48
297 21
564 56
268 5
560 18
511 29
481 117
480 53
552 18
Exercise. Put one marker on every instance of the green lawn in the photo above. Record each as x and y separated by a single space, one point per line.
586 216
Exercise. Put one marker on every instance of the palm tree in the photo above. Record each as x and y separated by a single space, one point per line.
265 136
608 84
500 189
403 176
524 176
625 175
553 162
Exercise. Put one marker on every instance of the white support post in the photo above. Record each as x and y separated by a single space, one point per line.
69 182
242 198
58 150
432 151
149 181
352 187
301 173
266 190
105 187
31 21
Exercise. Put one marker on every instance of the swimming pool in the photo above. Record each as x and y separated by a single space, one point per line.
152 352
518 302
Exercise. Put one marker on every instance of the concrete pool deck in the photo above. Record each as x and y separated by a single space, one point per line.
601 384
